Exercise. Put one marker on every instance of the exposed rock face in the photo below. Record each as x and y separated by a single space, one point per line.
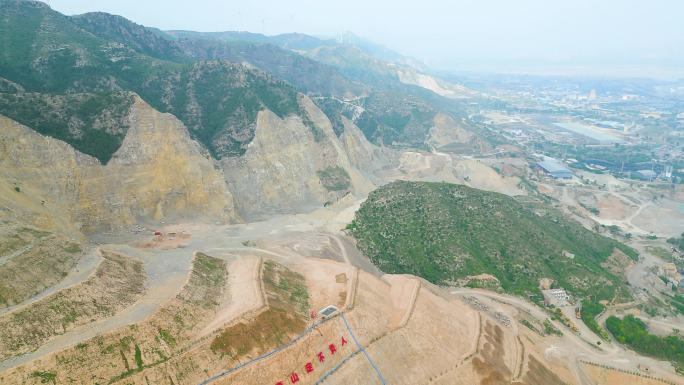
364 155
159 173
279 171
409 75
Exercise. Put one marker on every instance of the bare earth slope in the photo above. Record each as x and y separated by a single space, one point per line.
159 173
280 171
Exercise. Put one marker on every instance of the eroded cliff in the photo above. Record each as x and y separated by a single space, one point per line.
158 174
281 169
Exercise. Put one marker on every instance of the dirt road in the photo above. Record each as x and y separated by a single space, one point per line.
84 268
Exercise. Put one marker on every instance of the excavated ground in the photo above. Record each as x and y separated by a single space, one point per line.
239 304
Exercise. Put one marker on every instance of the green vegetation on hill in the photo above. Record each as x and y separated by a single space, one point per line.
394 113
306 74
145 40
394 118
590 310
94 124
335 109
195 76
219 102
632 332
47 52
390 118
445 232
334 178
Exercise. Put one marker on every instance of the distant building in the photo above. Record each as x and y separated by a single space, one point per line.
554 169
555 297
645 174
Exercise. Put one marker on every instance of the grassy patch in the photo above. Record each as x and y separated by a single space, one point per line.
677 302
50 260
549 329
138 357
72 248
529 325
45 377
677 242
268 330
666 255
334 178
166 336
288 302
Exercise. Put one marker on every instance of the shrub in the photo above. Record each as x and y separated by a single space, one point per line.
334 178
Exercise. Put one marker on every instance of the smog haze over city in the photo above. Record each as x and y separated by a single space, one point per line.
603 38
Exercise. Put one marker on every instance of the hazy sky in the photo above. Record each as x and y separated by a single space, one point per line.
460 34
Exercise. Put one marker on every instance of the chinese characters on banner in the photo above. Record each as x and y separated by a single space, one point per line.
309 366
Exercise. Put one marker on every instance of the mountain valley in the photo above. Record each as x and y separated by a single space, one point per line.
181 207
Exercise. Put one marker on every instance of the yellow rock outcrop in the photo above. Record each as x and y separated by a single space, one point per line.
159 173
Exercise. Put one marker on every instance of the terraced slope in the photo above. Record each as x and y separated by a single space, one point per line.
117 283
31 261
170 342
127 351
446 232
